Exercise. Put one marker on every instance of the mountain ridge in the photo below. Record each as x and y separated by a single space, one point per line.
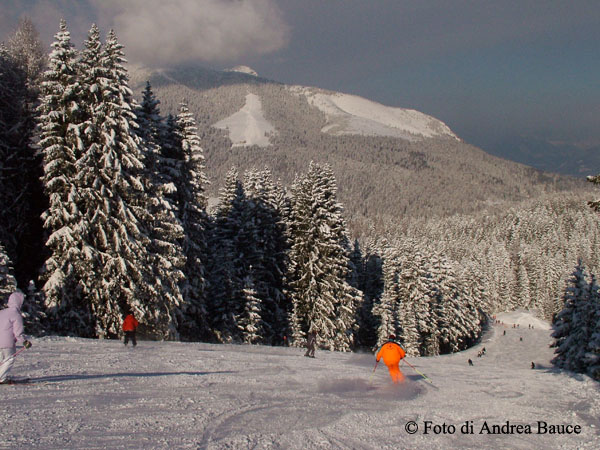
380 177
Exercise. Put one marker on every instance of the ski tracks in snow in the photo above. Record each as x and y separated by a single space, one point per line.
98 394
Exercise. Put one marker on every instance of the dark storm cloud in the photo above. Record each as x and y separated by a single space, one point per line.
361 34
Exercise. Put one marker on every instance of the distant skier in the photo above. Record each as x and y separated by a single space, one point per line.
470 362
311 343
532 365
392 354
130 325
11 332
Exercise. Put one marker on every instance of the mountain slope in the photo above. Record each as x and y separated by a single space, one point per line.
350 114
413 165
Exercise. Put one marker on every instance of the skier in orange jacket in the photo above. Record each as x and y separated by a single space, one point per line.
392 353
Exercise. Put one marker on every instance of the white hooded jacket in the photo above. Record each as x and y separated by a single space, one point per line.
11 322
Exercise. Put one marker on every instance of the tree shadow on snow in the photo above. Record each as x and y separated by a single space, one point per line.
83 376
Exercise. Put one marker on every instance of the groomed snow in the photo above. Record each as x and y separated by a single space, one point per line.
97 394
350 114
248 126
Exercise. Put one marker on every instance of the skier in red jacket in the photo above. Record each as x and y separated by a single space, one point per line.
130 324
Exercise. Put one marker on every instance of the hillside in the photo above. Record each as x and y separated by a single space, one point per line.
97 394
389 162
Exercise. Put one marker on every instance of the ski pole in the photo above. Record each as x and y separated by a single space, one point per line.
415 369
373 373
12 356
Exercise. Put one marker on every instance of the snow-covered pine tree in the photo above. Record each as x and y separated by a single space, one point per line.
34 315
577 343
372 286
594 204
349 298
192 214
357 272
522 285
21 63
226 283
575 352
170 145
263 244
458 324
167 259
322 299
385 307
356 279
593 346
8 284
564 324
27 50
61 142
416 294
477 299
411 292
250 321
592 355
242 245
113 204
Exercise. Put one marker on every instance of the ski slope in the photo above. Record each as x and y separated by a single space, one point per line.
248 126
97 394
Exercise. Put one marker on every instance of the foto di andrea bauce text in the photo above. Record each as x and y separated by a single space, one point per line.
468 427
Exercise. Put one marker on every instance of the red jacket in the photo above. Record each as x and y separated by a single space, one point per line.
130 323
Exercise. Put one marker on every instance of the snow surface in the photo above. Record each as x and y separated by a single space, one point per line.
248 126
243 69
350 114
97 394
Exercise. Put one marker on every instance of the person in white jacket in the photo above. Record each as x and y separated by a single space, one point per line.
11 332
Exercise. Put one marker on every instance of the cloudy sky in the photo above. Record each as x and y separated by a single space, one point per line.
488 68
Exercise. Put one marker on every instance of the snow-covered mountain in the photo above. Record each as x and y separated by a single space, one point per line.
351 114
389 162
345 113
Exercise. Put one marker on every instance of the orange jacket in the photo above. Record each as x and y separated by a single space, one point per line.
391 353
130 323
